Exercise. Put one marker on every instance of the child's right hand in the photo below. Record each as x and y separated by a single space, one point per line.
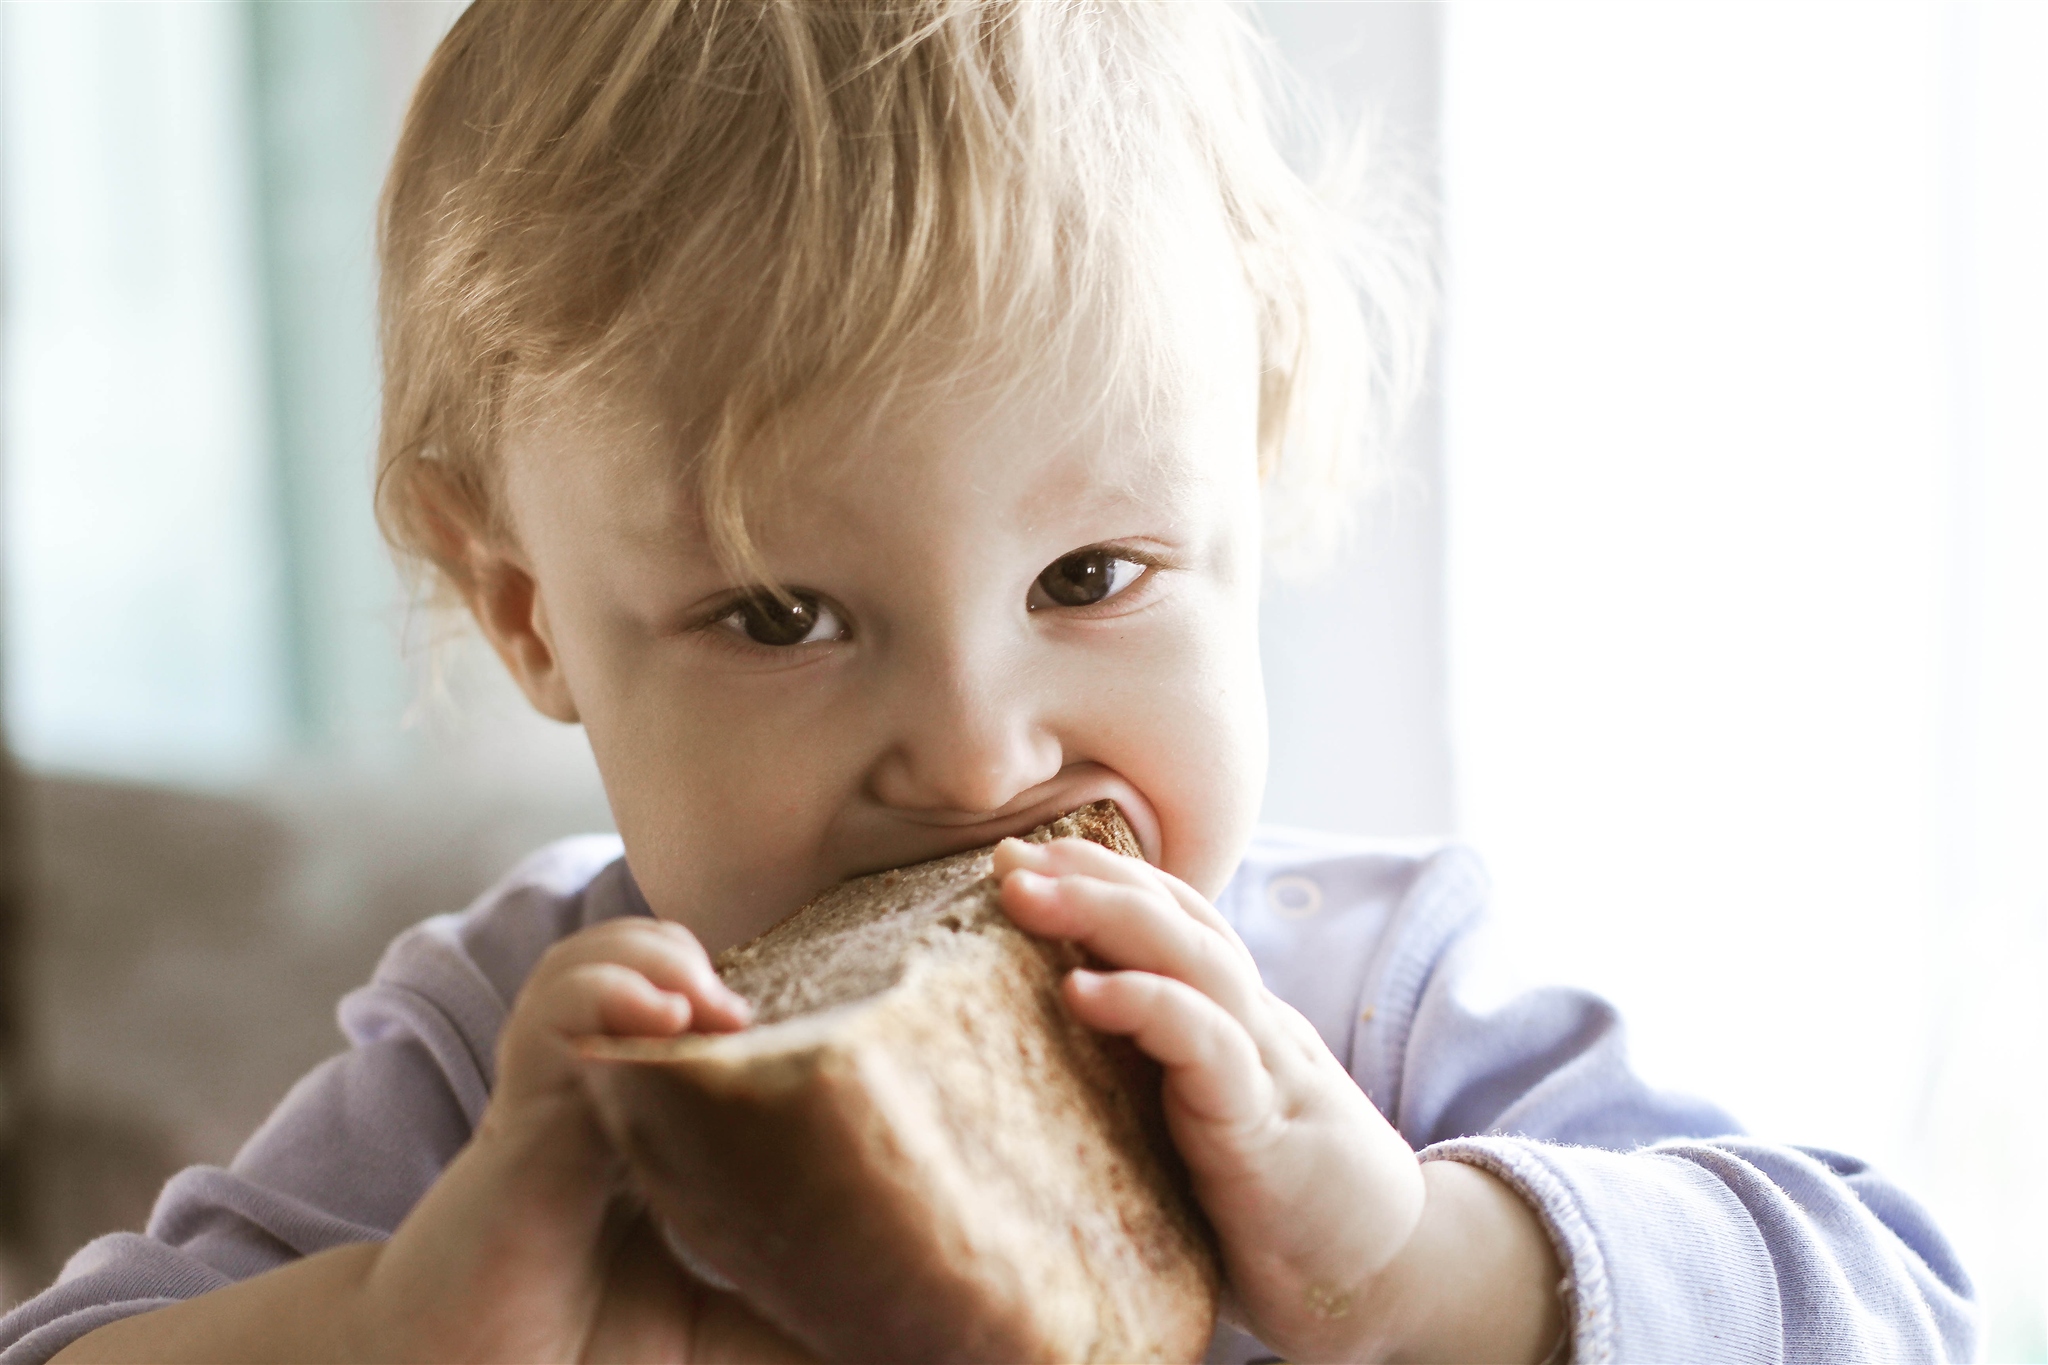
528 1246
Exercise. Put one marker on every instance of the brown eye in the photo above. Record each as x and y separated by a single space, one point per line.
1083 579
780 623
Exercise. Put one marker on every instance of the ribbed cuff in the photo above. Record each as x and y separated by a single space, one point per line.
1661 1261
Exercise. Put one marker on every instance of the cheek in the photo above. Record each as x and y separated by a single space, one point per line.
1191 735
717 790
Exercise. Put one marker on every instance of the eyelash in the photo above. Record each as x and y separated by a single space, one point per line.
712 623
712 627
1123 600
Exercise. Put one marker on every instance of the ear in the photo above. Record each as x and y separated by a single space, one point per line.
507 604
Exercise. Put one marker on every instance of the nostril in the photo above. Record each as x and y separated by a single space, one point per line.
959 771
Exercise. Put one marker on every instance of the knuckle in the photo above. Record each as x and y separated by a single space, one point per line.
583 978
608 931
1140 998
1185 1006
1085 853
613 979
1152 993
645 935
1147 903
1214 1045
1086 880
558 958
1121 900
672 932
579 947
1207 959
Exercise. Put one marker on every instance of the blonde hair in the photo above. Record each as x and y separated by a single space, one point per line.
773 201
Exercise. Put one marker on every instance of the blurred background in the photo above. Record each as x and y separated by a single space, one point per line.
1711 605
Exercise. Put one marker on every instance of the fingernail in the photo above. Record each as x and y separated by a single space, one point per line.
1084 979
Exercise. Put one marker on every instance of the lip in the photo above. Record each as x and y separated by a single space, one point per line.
1077 785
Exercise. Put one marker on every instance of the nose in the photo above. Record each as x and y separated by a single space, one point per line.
969 738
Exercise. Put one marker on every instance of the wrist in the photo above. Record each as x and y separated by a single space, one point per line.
362 1321
546 1184
525 1201
545 1146
1476 1280
317 1308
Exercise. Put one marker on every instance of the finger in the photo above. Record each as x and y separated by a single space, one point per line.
1199 906
1068 856
668 955
1212 1066
668 952
1135 928
607 998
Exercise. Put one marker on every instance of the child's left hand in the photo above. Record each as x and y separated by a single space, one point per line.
1336 1242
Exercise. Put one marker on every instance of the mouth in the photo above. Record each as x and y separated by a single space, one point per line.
1077 785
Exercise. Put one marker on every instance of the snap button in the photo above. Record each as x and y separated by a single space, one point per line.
1293 896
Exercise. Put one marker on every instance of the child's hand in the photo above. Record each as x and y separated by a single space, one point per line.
1334 1242
527 1247
519 1251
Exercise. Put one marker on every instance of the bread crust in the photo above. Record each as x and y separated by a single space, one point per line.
919 1154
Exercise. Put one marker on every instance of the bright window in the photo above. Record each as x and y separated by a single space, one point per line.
142 568
1747 504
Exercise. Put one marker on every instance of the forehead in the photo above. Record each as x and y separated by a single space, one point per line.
1036 456
1144 406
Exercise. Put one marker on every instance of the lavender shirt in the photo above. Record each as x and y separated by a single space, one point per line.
1682 1239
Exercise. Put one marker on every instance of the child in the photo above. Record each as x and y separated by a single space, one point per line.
857 416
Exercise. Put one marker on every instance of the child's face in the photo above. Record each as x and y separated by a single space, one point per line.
946 689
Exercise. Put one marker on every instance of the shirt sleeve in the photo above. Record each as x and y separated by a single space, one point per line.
359 1139
1681 1238
349 1150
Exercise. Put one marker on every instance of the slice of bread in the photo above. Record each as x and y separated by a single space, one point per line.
916 1153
